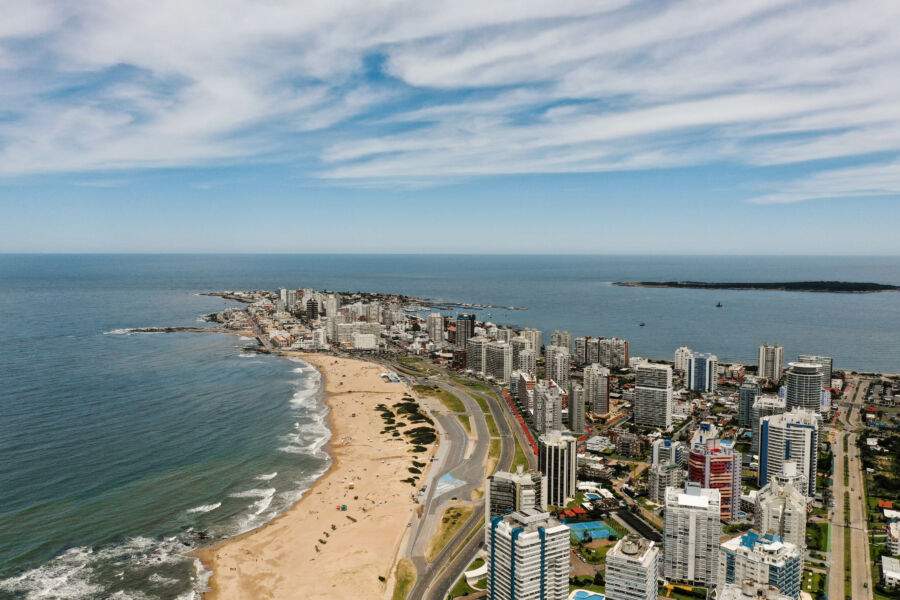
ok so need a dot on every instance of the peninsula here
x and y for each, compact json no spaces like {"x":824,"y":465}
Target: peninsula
{"x":787,"y":286}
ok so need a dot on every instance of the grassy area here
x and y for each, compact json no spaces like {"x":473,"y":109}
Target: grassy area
{"x":620,"y":529}
{"x":479,"y":530}
{"x":483,"y":404}
{"x":817,"y":536}
{"x":813,"y":582}
{"x":519,"y":458}
{"x":448,"y":399}
{"x":579,"y":498}
{"x":414,"y":365}
{"x":847,"y":567}
{"x":406,"y":577}
{"x":491,"y":425}
{"x":494,"y":448}
{"x":462,"y":588}
{"x":473,"y":385}
{"x":451,"y":522}
{"x":464,"y":420}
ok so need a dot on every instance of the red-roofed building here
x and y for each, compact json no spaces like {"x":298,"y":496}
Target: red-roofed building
{"x":885,"y":504}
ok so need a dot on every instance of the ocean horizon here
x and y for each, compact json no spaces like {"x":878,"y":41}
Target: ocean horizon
{"x":119,"y":452}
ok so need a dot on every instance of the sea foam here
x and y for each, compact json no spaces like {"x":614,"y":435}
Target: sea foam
{"x":205,"y":508}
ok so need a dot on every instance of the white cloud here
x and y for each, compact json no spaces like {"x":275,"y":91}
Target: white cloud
{"x":854,"y":182}
{"x":467,"y":89}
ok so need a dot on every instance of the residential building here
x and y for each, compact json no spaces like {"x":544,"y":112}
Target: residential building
{"x":562,"y":338}
{"x":528,"y":557}
{"x":525,"y":389}
{"x":498,"y":356}
{"x":434,"y":324}
{"x":703,"y":372}
{"x":763,"y":558}
{"x":683,"y":358}
{"x":749,"y":590}
{"x":576,"y":410}
{"x":892,"y":536}
{"x":771,"y":361}
{"x":527,"y":361}
{"x":476,"y":354}
{"x":519,"y":344}
{"x":547,"y":406}
{"x":804,"y":386}
{"x":612,"y":352}
{"x":890,"y":572}
{"x":579,"y":356}
{"x":507,"y":492}
{"x":715,"y":466}
{"x":557,"y":460}
{"x":764,"y":406}
{"x":747,"y":395}
{"x":596,"y":388}
{"x":534,"y":337}
{"x":781,"y":508}
{"x":465,"y":329}
{"x":663,"y":476}
{"x":790,"y":436}
{"x":826,"y":362}
{"x":666,"y":452}
{"x":653,"y":395}
{"x":632,"y":569}
{"x":557,"y":362}
{"x":691,"y":536}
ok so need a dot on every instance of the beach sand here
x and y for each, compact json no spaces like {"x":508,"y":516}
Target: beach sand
{"x":315,"y":550}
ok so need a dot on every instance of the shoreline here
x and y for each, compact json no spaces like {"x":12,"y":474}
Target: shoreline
{"x":309,"y":551}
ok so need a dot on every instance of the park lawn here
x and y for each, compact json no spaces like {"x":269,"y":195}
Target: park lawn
{"x":818,"y":536}
{"x":406,"y":577}
{"x":519,"y":458}
{"x":813,"y":582}
{"x":462,"y":588}
{"x":452,"y":521}
{"x":448,"y":399}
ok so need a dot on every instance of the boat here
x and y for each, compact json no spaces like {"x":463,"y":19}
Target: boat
{"x":642,"y":323}
{"x":719,"y":305}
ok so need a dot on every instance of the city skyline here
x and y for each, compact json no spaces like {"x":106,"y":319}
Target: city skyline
{"x":694,"y":128}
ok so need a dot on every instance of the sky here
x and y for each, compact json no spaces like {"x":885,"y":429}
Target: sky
{"x":621,"y":126}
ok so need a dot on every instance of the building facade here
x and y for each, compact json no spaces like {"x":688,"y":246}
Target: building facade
{"x":557,"y":461}
{"x":547,"y":406}
{"x":762,"y":558}
{"x":653,"y":395}
{"x":596,"y":388}
{"x":499,"y":364}
{"x":771,"y":361}
{"x":781,"y":508}
{"x":718,"y":467}
{"x":791,"y":436}
{"x":683,"y":358}
{"x":703,"y":372}
{"x":691,"y":536}
{"x":576,"y":410}
{"x":632,"y":569}
{"x":764,"y":406}
{"x":804,"y":386}
{"x":528,"y":557}
{"x":747,"y":395}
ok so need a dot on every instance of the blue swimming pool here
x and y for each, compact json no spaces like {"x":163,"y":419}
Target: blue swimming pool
{"x":586,"y":595}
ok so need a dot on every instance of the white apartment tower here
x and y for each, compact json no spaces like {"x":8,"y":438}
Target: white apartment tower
{"x":682,"y":358}
{"x":804,"y":386}
{"x":562,"y":338}
{"x":576,"y":410}
{"x":826,"y":362}
{"x":692,"y":531}
{"x":476,"y":354}
{"x":653,"y":395}
{"x":527,"y":362}
{"x":519,"y":344}
{"x":547,"y":406}
{"x":763,"y":406}
{"x":771,"y":360}
{"x":781,"y":508}
{"x":791,"y":436}
{"x":596,"y":388}
{"x":632,"y":569}
{"x":498,"y":356}
{"x":557,"y":461}
{"x":528,"y":557}
{"x":534,"y":337}
{"x":763,"y":558}
{"x":558,"y":365}
{"x":435,"y":327}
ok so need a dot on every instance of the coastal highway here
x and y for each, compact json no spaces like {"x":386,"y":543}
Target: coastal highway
{"x":437,"y":577}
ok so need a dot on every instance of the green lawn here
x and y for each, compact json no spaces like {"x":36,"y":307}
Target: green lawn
{"x":491,"y":425}
{"x":818,"y":536}
{"x":448,"y":399}
{"x":464,"y":420}
{"x":519,"y":458}
{"x":813,"y":582}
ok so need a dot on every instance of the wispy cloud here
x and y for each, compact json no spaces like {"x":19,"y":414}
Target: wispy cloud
{"x":396,"y":92}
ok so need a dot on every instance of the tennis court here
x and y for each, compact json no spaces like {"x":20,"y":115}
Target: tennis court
{"x":598,"y":530}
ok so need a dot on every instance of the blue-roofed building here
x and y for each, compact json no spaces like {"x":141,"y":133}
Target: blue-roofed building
{"x":762,"y":558}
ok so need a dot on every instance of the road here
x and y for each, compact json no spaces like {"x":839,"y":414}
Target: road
{"x":861,"y":575}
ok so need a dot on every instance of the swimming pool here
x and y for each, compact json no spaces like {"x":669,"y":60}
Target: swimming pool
{"x":586,"y":595}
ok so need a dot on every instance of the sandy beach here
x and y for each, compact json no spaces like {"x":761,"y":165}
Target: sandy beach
{"x":316,"y":550}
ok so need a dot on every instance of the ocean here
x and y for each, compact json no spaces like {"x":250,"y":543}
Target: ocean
{"x":119,"y":452}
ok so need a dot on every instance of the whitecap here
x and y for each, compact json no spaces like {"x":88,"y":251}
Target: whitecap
{"x":126,"y":331}
{"x":266,"y":476}
{"x":205,"y":508}
{"x":248,"y":355}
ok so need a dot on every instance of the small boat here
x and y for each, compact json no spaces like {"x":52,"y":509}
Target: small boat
{"x":642,"y":323}
{"x":719,"y":305}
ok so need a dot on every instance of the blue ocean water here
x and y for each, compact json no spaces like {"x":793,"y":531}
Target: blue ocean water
{"x":120,"y":452}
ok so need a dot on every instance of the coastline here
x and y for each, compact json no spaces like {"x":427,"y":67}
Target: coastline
{"x":312,"y":549}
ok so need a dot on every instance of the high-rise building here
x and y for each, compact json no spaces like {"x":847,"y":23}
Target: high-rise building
{"x":747,"y":395}
{"x":718,"y":467}
{"x":534,"y":337}
{"x":683,"y":358}
{"x":703,"y":372}
{"x":557,"y":460}
{"x":763,"y":558}
{"x":826,"y":362}
{"x":312,"y":309}
{"x":653,"y":395}
{"x":771,"y":361}
{"x":528,"y":557}
{"x":557,"y":362}
{"x":663,"y":476}
{"x":435,"y":327}
{"x":612,"y":352}
{"x":781,"y":508}
{"x":498,"y":356}
{"x":527,"y":361}
{"x":666,"y":452}
{"x":579,"y":356}
{"x":632,"y":569}
{"x":749,"y":590}
{"x":596,"y":388}
{"x":576,"y":410}
{"x":476,"y":354}
{"x":509,"y":492}
{"x":465,"y":329}
{"x":525,"y":390}
{"x":547,"y":406}
{"x":764,"y":406}
{"x":691,"y":536}
{"x":791,"y":436}
{"x":562,"y":338}
{"x":804,"y":386}
{"x":518,"y":344}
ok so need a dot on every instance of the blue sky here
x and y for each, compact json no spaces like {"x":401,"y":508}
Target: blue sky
{"x":763,"y":126}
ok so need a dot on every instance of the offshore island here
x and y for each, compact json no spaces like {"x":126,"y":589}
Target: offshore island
{"x":857,"y":287}
{"x":445,"y":427}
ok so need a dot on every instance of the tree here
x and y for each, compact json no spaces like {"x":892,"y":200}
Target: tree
{"x":598,"y":578}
